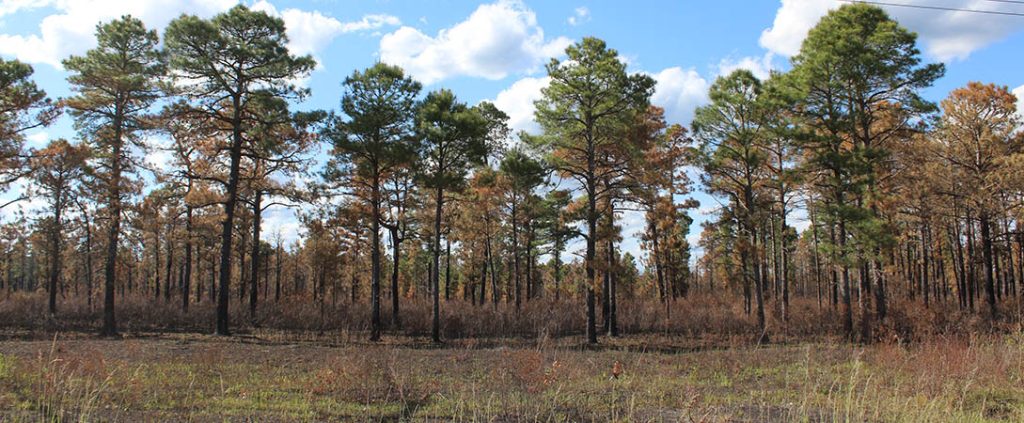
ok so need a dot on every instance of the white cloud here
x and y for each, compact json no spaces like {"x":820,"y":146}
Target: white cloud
{"x":517,"y":101}
{"x":955,"y":35}
{"x":310,"y":32}
{"x":496,"y":40}
{"x":70,"y":30}
{"x":8,"y":7}
{"x":160,"y":160}
{"x":680,"y":91}
{"x":281,"y":221}
{"x":792,"y":22}
{"x":38,"y":139}
{"x":580,"y":16}
{"x":799,"y":219}
{"x":693,"y":238}
{"x":708,"y":209}
{"x":761,"y":67}
{"x":158,"y":154}
{"x":369,"y":22}
{"x":947,"y":35}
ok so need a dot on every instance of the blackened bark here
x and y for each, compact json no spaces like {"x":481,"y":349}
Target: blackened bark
{"x":186,"y":279}
{"x":227,"y":225}
{"x":113,"y":230}
{"x":435,"y":331}
{"x":986,"y":251}
{"x":257,"y":219}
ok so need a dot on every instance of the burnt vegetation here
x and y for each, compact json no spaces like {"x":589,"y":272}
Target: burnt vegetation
{"x":847,"y":209}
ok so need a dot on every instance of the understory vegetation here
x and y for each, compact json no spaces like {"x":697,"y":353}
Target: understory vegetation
{"x":195,"y":378}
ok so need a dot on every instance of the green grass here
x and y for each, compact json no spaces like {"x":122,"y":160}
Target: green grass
{"x":205,"y":379}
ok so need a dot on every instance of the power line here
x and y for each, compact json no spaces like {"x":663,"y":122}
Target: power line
{"x":1005,"y":1}
{"x":948,"y":9}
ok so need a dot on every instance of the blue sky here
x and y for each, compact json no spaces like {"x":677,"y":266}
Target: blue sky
{"x":496,"y":51}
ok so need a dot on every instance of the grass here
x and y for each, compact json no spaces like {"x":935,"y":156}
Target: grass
{"x":301,"y":362}
{"x":201,"y":378}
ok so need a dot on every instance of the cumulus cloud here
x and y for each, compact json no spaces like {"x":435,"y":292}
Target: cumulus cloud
{"x":680,"y":91}
{"x":311,"y":31}
{"x":947,"y":35}
{"x":496,"y":40}
{"x":792,"y":22}
{"x":579,"y":16}
{"x":38,"y":139}
{"x":517,"y":101}
{"x":158,"y":155}
{"x":761,"y":67}
{"x":70,"y":28}
{"x":282,"y":222}
{"x":8,"y":7}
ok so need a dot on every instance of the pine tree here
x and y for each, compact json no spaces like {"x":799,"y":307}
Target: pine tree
{"x":23,"y":107}
{"x":856,"y":65}
{"x":455,"y":138}
{"x":979,"y":137}
{"x":115,"y":85}
{"x":520,"y":175}
{"x":56,"y":171}
{"x":374,"y":143}
{"x":231,"y":68}
{"x":581,"y":112}
{"x":731,"y":131}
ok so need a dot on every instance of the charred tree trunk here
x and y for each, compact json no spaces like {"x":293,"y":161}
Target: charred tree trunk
{"x":113,"y":230}
{"x":986,"y":251}
{"x":186,"y":279}
{"x":435,"y":277}
{"x":254,"y":277}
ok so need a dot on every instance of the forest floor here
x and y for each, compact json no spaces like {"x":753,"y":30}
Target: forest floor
{"x":264,"y":377}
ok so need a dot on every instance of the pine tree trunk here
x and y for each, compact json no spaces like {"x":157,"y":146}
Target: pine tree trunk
{"x":227,"y":225}
{"x":447,"y":268}
{"x":277,"y":274}
{"x":186,"y":279}
{"x":88,"y":264}
{"x":515,"y":252}
{"x":483,"y":277}
{"x":613,"y":328}
{"x":817,"y":260}
{"x":114,"y":229}
{"x":495,"y":295}
{"x":55,"y":253}
{"x":257,"y":219}
{"x":591,"y":257}
{"x":170,"y":263}
{"x":759,"y":290}
{"x":156,"y":264}
{"x":847,"y":305}
{"x":435,"y":276}
{"x":986,"y":251}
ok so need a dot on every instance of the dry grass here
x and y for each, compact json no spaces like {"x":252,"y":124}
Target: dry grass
{"x":200,"y":378}
{"x":696,"y":361}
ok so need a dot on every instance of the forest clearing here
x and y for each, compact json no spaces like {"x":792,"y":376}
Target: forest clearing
{"x":704,"y":366}
{"x":265,"y":378}
{"x":211,"y":212}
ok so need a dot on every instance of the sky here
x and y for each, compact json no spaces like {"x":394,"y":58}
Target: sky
{"x":496,"y":51}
